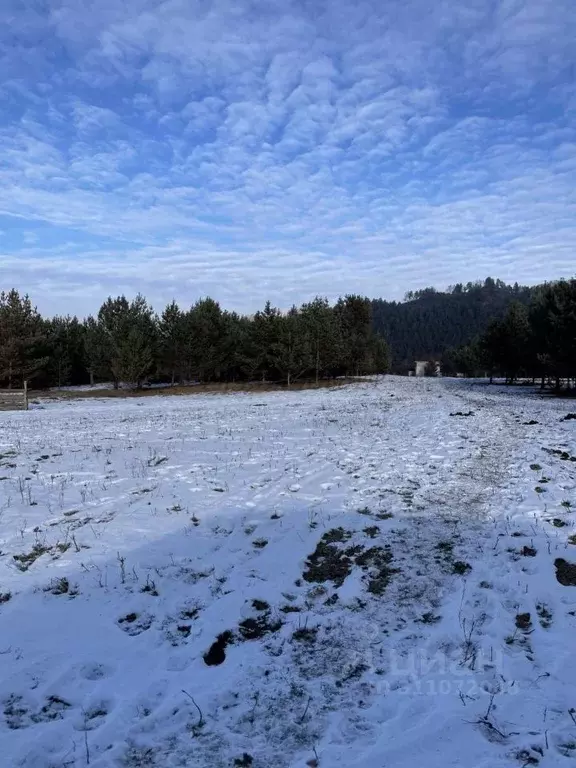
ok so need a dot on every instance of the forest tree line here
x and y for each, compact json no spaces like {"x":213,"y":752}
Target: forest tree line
{"x":126,"y":342}
{"x":537,"y":340}
{"x":474,"y":329}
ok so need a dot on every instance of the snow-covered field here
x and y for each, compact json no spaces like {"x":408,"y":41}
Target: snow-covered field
{"x":356,"y":577}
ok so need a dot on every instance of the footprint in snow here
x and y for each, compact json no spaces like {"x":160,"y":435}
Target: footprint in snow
{"x":95,"y":671}
{"x":135,"y":623}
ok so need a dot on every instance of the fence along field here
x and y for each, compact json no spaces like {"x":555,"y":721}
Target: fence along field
{"x":14,"y":399}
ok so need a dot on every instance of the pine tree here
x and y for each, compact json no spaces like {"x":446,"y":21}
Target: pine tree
{"x":378,"y":355}
{"x":491,"y":346}
{"x":238,"y":351}
{"x":59,"y":345}
{"x":266,"y":340}
{"x":320,"y":325}
{"x":95,"y":349}
{"x":354,"y":316}
{"x":127,"y":339}
{"x":516,"y":335}
{"x":134,"y":356}
{"x":207,"y":325}
{"x":468,"y":360}
{"x":505,"y":347}
{"x":553,"y":324}
{"x":172,"y":341}
{"x":293,"y":355}
{"x":21,"y":340}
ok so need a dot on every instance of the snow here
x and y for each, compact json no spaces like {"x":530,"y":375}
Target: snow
{"x":84,"y":387}
{"x":135,"y":532}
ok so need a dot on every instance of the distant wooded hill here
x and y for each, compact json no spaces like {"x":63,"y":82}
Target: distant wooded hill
{"x":428,"y":322}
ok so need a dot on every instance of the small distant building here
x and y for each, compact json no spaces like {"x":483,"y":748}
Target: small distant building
{"x":421,"y":367}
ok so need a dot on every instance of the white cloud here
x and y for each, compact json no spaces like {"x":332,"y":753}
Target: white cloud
{"x":252,"y":151}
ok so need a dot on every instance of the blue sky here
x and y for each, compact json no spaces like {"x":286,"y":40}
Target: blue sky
{"x":254,"y":150}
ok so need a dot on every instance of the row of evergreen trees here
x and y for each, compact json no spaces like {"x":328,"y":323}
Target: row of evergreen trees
{"x":535,"y":341}
{"x":126,"y":342}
